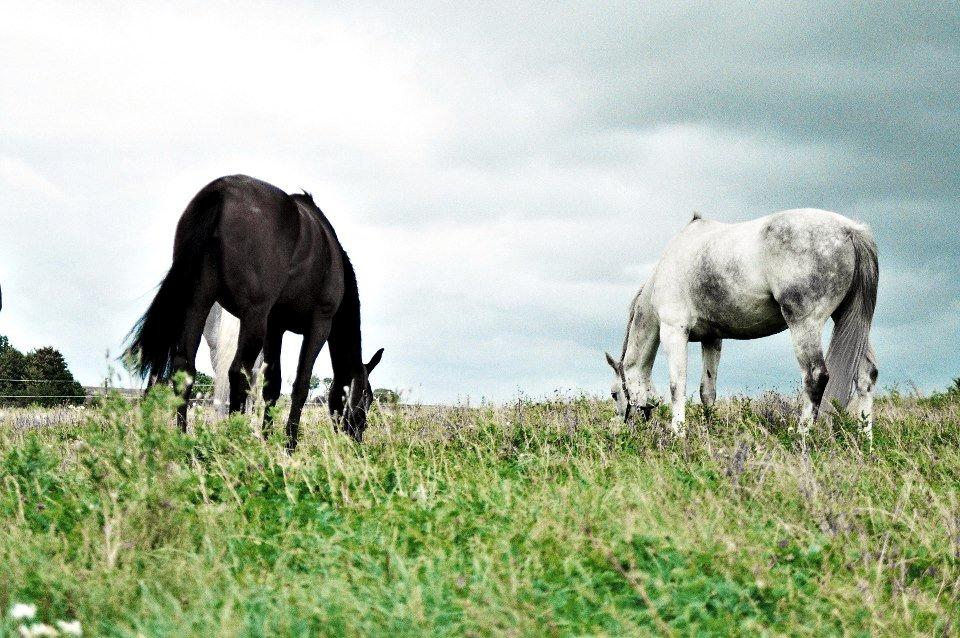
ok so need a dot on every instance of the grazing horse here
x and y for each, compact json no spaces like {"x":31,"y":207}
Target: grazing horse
{"x":274,"y":261}
{"x":716,"y":281}
{"x":221,"y":332}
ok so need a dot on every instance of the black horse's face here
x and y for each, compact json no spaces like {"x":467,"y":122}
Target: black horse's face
{"x":358,"y":404}
{"x":354,"y":401}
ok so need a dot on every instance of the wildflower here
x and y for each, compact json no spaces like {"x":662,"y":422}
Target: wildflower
{"x":420,"y":494}
{"x":70,"y":628}
{"x":38,"y":630}
{"x":23,"y":611}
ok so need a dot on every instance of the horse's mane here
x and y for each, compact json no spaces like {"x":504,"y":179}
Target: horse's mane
{"x":633,"y":314}
{"x":307,"y":199}
{"x":346,"y":323}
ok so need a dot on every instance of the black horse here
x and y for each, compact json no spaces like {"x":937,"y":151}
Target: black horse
{"x":274,"y":261}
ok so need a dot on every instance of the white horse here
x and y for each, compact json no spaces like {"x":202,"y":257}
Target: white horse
{"x":716,"y":281}
{"x":222,"y":332}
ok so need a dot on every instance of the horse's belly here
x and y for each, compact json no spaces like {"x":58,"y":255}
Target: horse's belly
{"x":746,"y":319}
{"x":728,"y":294}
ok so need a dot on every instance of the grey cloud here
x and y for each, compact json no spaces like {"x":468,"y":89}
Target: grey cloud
{"x":502,"y":174}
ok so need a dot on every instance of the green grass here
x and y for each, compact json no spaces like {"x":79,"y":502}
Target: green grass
{"x":536,"y":519}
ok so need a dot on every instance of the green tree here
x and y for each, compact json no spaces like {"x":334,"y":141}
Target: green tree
{"x":51,"y":382}
{"x":385,"y":396}
{"x":320,"y":388}
{"x":202,"y":385}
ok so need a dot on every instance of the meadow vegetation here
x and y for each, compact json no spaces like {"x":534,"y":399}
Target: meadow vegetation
{"x":539,"y":518}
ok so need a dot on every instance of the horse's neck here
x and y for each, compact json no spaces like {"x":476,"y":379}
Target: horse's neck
{"x":345,"y":361}
{"x":643,"y":330}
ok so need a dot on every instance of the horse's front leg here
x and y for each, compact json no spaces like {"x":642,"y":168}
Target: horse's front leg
{"x":313,"y":342}
{"x":674,"y":340}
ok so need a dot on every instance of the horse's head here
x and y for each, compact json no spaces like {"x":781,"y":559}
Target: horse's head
{"x":630,"y":393}
{"x":353,"y":401}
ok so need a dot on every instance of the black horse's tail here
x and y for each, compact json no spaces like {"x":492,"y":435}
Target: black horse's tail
{"x":154,"y":338}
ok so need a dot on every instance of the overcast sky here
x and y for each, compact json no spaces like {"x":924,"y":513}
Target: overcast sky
{"x":502,"y":175}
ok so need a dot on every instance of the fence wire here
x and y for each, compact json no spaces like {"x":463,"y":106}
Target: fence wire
{"x":92,"y":391}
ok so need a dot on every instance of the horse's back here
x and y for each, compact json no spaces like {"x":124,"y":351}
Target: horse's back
{"x":806,"y":230}
{"x":255,"y":208}
{"x":805,"y":238}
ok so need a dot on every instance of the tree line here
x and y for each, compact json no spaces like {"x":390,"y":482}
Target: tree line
{"x":39,"y":377}
{"x":320,"y":388}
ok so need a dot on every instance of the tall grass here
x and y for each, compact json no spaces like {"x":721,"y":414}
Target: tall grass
{"x":535,"y":519}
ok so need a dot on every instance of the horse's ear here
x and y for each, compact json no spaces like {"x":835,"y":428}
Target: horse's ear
{"x":612,"y":362}
{"x":374,"y":360}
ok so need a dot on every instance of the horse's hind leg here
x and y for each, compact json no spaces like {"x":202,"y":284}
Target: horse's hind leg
{"x":708,"y":383}
{"x":861,"y":405}
{"x":806,"y":335}
{"x":185,"y":359}
{"x":185,"y":356}
{"x":253,"y":327}
{"x":271,"y":373}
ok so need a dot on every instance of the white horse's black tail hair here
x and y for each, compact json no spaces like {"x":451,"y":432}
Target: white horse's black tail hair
{"x":154,"y":338}
{"x":851,"y":322}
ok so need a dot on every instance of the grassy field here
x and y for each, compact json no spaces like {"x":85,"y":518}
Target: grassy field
{"x":534,"y":519}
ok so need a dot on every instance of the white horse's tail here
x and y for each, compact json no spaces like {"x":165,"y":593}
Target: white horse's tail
{"x":228,"y":333}
{"x":850,"y":342}
{"x":221,"y":331}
